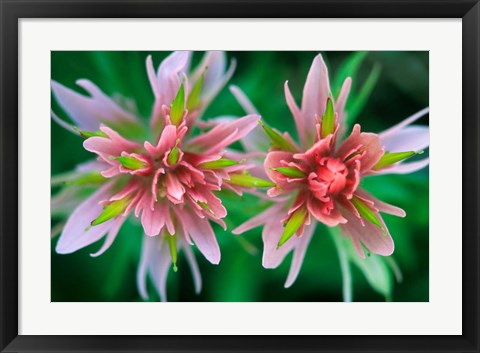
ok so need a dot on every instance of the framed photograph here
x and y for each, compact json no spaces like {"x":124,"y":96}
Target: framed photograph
{"x":236,"y":176}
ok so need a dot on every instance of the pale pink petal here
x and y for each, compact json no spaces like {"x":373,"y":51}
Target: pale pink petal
{"x":159,"y":267}
{"x":111,"y":236}
{"x":315,"y":95}
{"x":342,"y":99}
{"x":405,"y":168}
{"x":154,"y":220}
{"x":223,"y":134}
{"x":215,"y":76}
{"x":169,"y":75}
{"x":297,"y":115}
{"x":376,"y":240}
{"x":259,"y":219}
{"x":202,"y":234}
{"x":243,"y":100}
{"x":380,"y":205}
{"x":396,"y":128}
{"x":152,"y":76}
{"x":89,"y":111}
{"x":62,"y":123}
{"x":192,"y":262}
{"x":155,"y":261}
{"x":143,"y":265}
{"x":271,"y":234}
{"x":77,"y":232}
{"x":78,"y":107}
{"x":107,"y":108}
{"x":254,"y":142}
{"x":411,"y":138}
{"x":299,"y":254}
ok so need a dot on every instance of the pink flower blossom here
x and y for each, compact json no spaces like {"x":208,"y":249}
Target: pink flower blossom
{"x":318,"y":180}
{"x":169,"y":181}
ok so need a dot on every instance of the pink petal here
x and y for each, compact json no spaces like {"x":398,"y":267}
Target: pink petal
{"x":154,"y":220}
{"x":342,"y":99}
{"x":299,"y":254}
{"x":333,"y":219}
{"x":369,"y":235}
{"x":315,"y":95}
{"x":277,"y":159}
{"x":272,"y":231}
{"x":62,"y":123}
{"x":175,"y":189}
{"x":166,"y":142}
{"x":78,"y":107}
{"x":114,"y":145}
{"x":411,"y":138}
{"x":202,"y":234}
{"x":243,"y":100}
{"x":223,"y":134}
{"x":111,"y":236}
{"x":380,"y":205}
{"x":215,"y":76}
{"x":168,"y":78}
{"x":89,"y":111}
{"x":192,"y":262}
{"x":152,"y":76}
{"x":370,"y":142}
{"x":75,"y":234}
{"x":297,"y":115}
{"x":155,"y":261}
{"x":143,"y":268}
{"x":259,"y":219}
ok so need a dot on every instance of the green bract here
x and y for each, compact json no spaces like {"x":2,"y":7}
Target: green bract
{"x":178,"y":106}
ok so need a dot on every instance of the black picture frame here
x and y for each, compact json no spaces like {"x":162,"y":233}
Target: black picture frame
{"x":11,"y":11}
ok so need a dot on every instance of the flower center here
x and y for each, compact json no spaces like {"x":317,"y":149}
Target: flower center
{"x":332,"y":173}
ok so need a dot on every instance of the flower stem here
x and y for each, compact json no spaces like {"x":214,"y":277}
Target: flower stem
{"x":347,"y":287}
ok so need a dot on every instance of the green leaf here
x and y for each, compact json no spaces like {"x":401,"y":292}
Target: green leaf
{"x":348,"y":68}
{"x":290,"y":172}
{"x":218,"y":164}
{"x":249,"y":181}
{"x":293,"y":224}
{"x":178,"y":106}
{"x":130,"y":162}
{"x":361,"y":99}
{"x":194,"y":99}
{"x":328,"y":119}
{"x":278,"y":140}
{"x":391,"y":158}
{"x":112,"y":210}
{"x":366,"y":212}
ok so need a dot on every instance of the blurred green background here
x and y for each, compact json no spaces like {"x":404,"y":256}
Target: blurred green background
{"x":387,"y":87}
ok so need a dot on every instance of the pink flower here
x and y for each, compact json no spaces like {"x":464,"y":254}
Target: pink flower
{"x":318,"y":179}
{"x":169,"y":182}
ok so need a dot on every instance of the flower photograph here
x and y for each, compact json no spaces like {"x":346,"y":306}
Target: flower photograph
{"x":249,"y":176}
